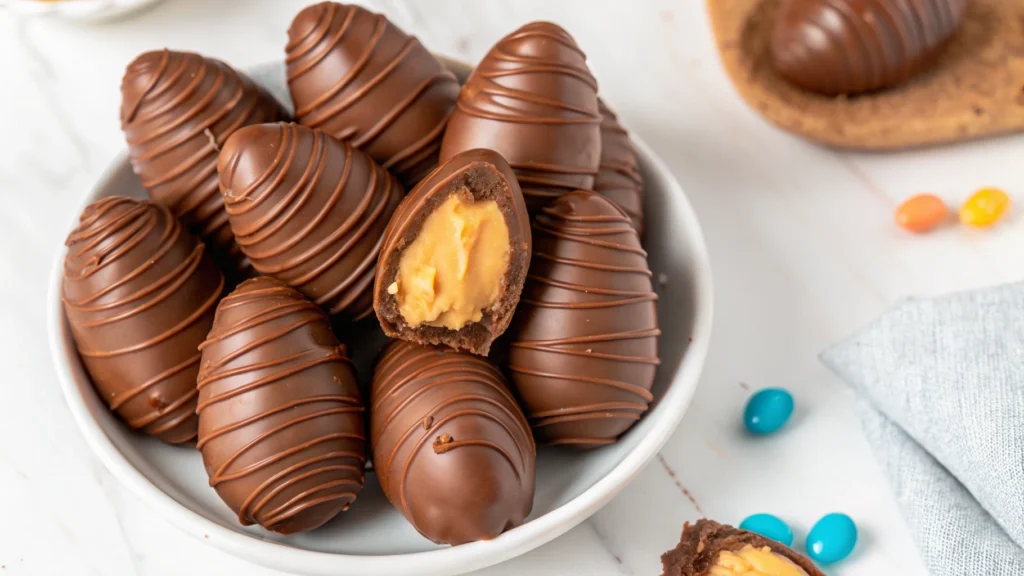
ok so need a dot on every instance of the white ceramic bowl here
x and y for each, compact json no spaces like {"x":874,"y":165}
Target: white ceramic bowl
{"x":373,"y":538}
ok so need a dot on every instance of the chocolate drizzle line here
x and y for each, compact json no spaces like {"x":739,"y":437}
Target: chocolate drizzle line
{"x":176,"y":109}
{"x":432,"y":403}
{"x":840,"y":47}
{"x":139,"y":293}
{"x":504,"y":60}
{"x":533,"y":79}
{"x":619,"y":177}
{"x":308,"y":210}
{"x":600,"y":303}
{"x":381,"y":67}
{"x":295,"y":457}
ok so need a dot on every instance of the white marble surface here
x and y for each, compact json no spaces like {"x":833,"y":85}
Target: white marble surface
{"x":801,"y":242}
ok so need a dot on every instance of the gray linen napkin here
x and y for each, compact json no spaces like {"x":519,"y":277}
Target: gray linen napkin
{"x":941,"y":387}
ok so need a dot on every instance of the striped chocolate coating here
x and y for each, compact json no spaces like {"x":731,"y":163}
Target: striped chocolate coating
{"x":618,"y":178}
{"x":584,"y":347}
{"x":281,"y":424}
{"x":177,"y":109}
{"x":139,"y":294}
{"x":451,"y":447}
{"x":851,"y":46}
{"x":534,"y":101}
{"x":358,"y":77}
{"x":308,"y":210}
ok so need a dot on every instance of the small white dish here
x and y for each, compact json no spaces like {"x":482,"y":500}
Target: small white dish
{"x":373,"y":538}
{"x":78,"y":10}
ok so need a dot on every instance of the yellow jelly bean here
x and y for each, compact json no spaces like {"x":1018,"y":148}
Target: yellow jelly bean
{"x":921,"y":213}
{"x":985,"y":207}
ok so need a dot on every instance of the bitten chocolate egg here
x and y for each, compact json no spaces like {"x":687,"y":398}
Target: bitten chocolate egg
{"x":139,"y":294}
{"x":708,"y":548}
{"x":619,"y":177}
{"x":308,"y":210}
{"x":584,"y":342}
{"x":455,"y":255}
{"x":281,"y":424}
{"x":533,"y":100}
{"x":177,"y":108}
{"x":451,"y":448}
{"x":358,"y":77}
{"x":851,"y":46}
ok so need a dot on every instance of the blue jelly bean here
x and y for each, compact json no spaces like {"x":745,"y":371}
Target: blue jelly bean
{"x":768,"y":410}
{"x":832,"y":538}
{"x":770,"y":527}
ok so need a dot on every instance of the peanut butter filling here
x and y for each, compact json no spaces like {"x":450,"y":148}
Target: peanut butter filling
{"x":452,"y":271}
{"x":750,"y":561}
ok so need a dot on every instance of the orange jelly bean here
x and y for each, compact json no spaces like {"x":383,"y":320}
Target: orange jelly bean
{"x":921,"y":213}
{"x":985,"y":207}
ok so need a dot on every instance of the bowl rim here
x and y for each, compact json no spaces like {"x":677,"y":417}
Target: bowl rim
{"x":451,"y":560}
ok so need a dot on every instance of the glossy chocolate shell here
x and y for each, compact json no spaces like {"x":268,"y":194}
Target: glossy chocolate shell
{"x":451,"y":448}
{"x":308,"y":210}
{"x":584,"y":342}
{"x":534,"y":101}
{"x":140,"y":293}
{"x":281,"y":423}
{"x":358,"y":77}
{"x":850,"y":46}
{"x":177,"y":109}
{"x":619,"y":178}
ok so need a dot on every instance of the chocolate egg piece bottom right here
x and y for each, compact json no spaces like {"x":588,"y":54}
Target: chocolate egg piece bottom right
{"x":584,"y":342}
{"x":708,"y":548}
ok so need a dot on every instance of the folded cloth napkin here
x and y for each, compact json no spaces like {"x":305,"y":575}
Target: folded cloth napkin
{"x":941,"y":395}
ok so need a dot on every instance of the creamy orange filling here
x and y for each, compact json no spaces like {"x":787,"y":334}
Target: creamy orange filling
{"x":750,"y":561}
{"x":451,"y":272}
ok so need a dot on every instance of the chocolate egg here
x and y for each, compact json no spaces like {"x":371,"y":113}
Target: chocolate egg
{"x":358,"y":77}
{"x":455,"y":255}
{"x":708,"y":548}
{"x":619,"y":177}
{"x":451,"y":448}
{"x":584,"y":342}
{"x":851,"y":46}
{"x":281,"y":424}
{"x":308,"y":210}
{"x":139,"y":294}
{"x":177,"y":108}
{"x":533,"y":100}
